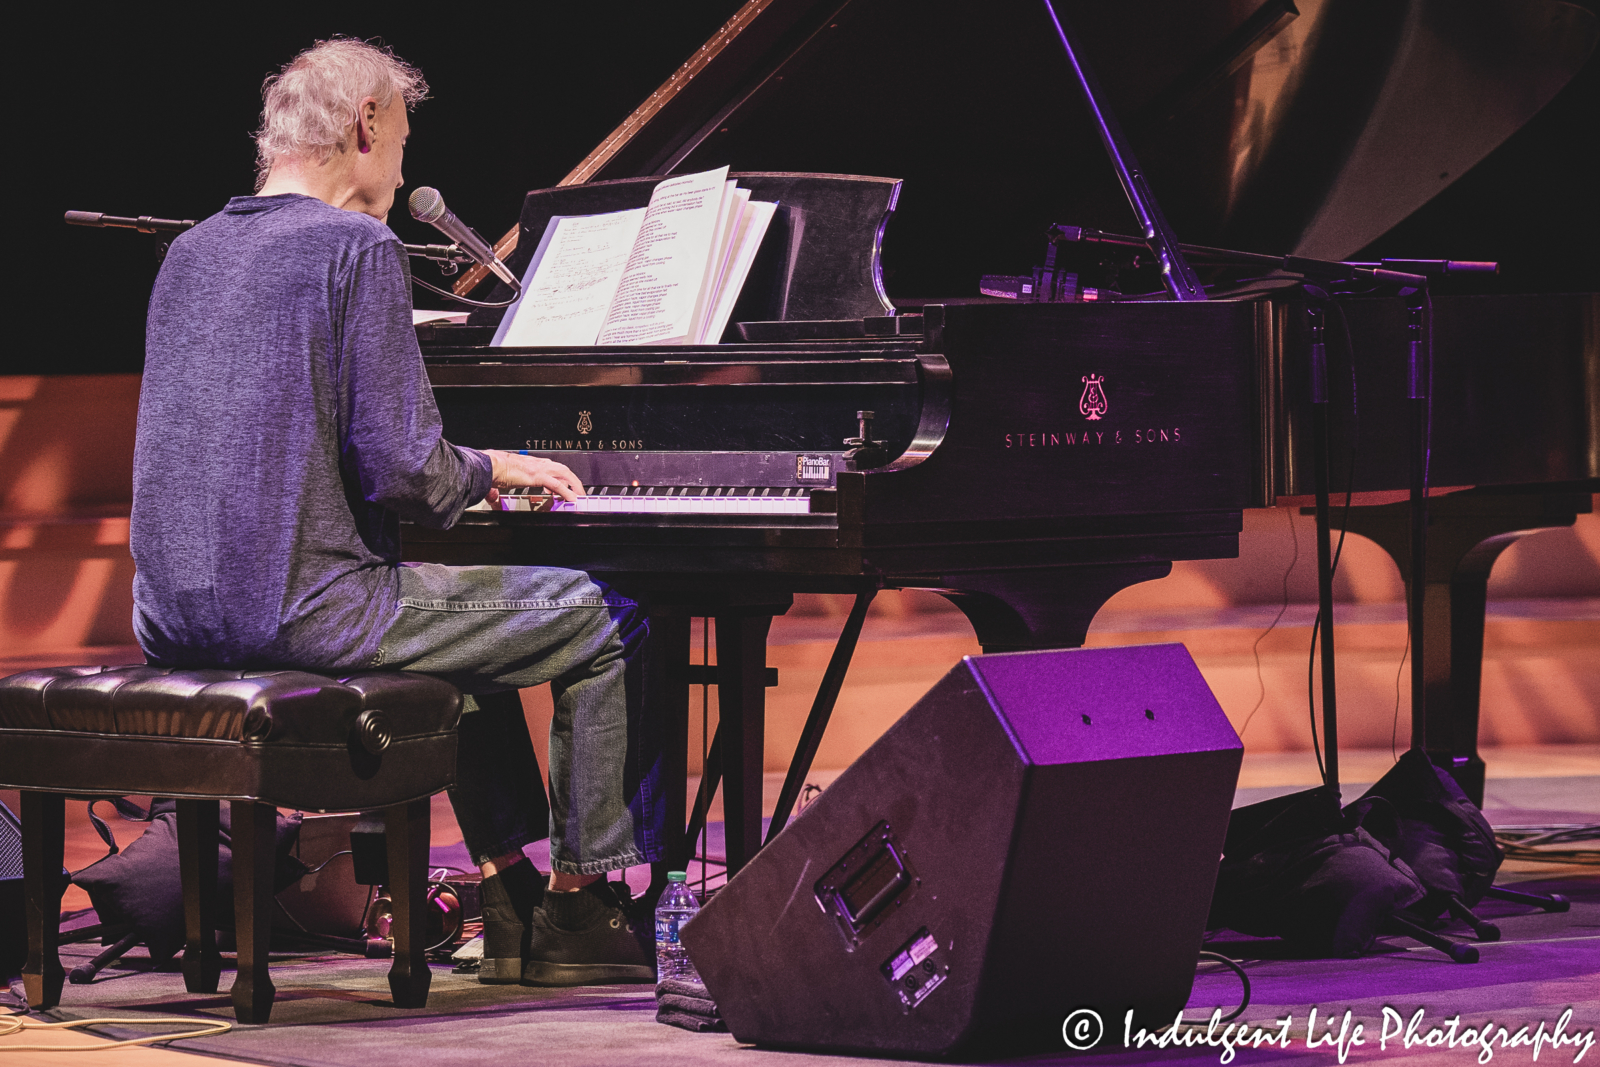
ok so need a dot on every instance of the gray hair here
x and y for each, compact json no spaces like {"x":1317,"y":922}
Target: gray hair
{"x":309,"y":106}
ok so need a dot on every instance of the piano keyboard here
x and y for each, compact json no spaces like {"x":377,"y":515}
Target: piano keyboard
{"x":662,"y":499}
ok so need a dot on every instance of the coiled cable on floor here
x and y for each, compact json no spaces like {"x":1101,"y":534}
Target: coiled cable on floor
{"x":1244,"y":980}
{"x":1538,"y":843}
{"x":12,"y":1024}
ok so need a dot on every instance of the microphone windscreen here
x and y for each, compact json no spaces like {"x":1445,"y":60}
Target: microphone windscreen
{"x":426,"y":204}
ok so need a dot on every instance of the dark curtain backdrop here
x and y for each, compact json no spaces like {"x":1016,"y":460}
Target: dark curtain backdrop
{"x":143,"y":112}
{"x":146,"y":112}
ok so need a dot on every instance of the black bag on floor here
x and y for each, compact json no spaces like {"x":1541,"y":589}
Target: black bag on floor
{"x":138,"y":889}
{"x":1299,"y":868}
{"x":1439,"y":833}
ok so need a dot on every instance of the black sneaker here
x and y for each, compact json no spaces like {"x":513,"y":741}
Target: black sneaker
{"x":511,"y":898}
{"x":588,"y":938}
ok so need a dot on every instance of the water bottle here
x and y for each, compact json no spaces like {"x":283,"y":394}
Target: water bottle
{"x":678,"y":905}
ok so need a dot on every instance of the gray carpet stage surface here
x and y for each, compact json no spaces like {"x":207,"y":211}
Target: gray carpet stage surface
{"x":334,"y":1011}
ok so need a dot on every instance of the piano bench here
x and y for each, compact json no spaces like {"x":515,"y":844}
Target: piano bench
{"x":259,"y":739}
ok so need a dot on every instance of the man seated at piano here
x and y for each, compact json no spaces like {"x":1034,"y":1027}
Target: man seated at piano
{"x":286,"y":426}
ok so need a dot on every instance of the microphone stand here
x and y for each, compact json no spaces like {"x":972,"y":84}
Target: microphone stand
{"x":1319,"y":467}
{"x":1419,"y":390}
{"x":449,"y":257}
{"x":167,"y":228}
{"x":1414,"y":286}
{"x":1176,"y":274}
{"x":1325,"y":270}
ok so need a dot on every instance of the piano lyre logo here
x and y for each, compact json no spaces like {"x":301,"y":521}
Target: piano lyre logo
{"x":1093,"y":402}
{"x":585,"y":424}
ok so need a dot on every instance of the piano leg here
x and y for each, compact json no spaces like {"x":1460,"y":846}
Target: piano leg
{"x":741,"y":726}
{"x":667,"y":697}
{"x":741,"y":678}
{"x":1051,"y":607}
{"x":1468,"y":531}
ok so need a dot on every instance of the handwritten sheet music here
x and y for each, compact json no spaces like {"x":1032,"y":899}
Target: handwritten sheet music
{"x":570,"y":284}
{"x":668,"y":273}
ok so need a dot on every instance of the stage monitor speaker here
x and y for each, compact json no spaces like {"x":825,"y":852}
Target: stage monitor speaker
{"x":1040,"y":833}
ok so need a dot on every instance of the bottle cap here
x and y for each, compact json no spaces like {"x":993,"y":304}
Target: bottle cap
{"x":677,"y":876}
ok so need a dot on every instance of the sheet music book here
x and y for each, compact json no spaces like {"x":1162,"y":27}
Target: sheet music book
{"x":669,"y":273}
{"x":421,"y":316}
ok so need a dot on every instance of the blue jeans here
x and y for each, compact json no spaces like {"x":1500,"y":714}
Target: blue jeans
{"x":494,"y":630}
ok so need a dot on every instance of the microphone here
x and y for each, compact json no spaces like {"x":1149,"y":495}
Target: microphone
{"x":428,"y":206}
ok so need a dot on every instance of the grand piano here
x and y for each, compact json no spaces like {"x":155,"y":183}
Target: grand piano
{"x":1025,"y":459}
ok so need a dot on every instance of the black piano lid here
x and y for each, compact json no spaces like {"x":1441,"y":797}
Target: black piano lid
{"x":1345,"y":121}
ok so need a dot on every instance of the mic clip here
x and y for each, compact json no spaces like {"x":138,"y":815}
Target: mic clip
{"x":449,"y":257}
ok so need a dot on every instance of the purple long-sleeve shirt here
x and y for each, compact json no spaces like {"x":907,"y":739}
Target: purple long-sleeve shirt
{"x":285,"y":427}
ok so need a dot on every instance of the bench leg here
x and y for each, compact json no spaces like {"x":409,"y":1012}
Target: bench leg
{"x":406,"y":835}
{"x":44,"y":821}
{"x":197,"y":861}
{"x":255,"y":833}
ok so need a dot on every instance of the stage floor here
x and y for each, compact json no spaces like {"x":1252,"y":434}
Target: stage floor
{"x":334,"y":1011}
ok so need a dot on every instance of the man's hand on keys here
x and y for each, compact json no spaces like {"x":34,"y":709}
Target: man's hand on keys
{"x":515,"y":471}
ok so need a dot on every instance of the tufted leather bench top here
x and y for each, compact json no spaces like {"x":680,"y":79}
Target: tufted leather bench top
{"x":289,"y":737}
{"x":220,"y":704}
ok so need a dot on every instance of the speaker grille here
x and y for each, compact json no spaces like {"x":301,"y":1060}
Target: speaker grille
{"x":10,"y":844}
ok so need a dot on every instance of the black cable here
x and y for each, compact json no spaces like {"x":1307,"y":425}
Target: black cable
{"x":461,"y":912}
{"x":1244,"y":980}
{"x":1399,"y":672}
{"x":1344,"y":524}
{"x":1551,"y":835}
{"x":1427,"y":435}
{"x":1535,"y":843}
{"x":1427,"y":469}
{"x":366,"y":912}
{"x":283,"y":909}
{"x":1355,"y":425}
{"x":330,"y":859}
{"x":447,"y":294}
{"x":1311,"y":697}
{"x":1255,"y":649}
{"x":1333,"y":568}
{"x":1317,"y":298}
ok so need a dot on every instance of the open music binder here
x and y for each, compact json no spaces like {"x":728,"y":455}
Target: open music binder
{"x":666,"y":273}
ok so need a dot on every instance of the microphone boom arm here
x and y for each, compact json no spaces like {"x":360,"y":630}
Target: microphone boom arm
{"x":450,"y":257}
{"x":1176,"y":274}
